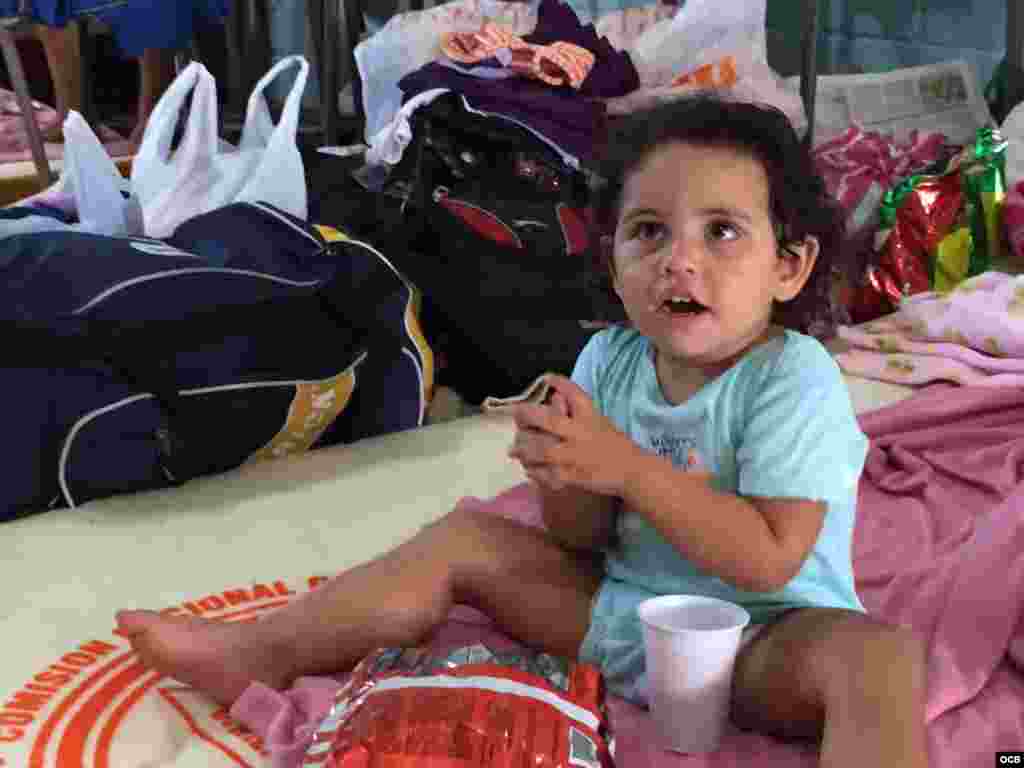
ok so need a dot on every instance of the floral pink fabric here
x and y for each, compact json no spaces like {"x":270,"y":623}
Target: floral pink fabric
{"x":972,"y":335}
{"x":859,"y":166}
{"x":14,"y":146}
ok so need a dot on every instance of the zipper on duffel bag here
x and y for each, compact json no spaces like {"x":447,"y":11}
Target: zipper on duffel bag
{"x":171,"y":448}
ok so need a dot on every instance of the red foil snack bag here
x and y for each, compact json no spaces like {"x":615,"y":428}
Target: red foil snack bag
{"x":468,"y":708}
{"x":915,"y":216}
{"x":936,"y":230}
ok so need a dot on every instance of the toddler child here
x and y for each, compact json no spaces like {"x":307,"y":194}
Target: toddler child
{"x":709,"y":448}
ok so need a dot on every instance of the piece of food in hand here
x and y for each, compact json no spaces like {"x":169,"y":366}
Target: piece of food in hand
{"x":538,"y":393}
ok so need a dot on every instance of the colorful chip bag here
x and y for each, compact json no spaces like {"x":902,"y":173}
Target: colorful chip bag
{"x":984,"y":175}
{"x":468,"y":707}
{"x":936,"y":230}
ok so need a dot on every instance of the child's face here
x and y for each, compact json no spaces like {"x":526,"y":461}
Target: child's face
{"x":695,"y":224}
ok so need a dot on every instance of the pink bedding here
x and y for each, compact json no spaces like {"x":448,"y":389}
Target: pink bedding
{"x":937,"y":548}
{"x":14,"y":144}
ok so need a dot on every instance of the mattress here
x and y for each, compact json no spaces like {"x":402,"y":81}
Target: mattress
{"x":72,"y":695}
{"x":19,"y":179}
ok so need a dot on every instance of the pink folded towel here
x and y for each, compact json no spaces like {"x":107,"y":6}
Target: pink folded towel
{"x":972,"y":335}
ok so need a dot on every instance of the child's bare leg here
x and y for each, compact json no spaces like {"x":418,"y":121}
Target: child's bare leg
{"x":534,"y":589}
{"x":854,"y":683}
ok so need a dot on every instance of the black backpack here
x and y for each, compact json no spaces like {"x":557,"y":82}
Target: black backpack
{"x":494,"y":231}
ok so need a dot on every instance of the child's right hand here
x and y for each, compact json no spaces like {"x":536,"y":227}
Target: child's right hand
{"x":531,"y":439}
{"x":567,"y":442}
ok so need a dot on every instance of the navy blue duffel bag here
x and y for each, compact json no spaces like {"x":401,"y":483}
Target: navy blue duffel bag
{"x":132,"y":364}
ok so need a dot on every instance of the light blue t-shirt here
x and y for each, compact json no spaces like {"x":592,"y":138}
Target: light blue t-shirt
{"x":778,"y":423}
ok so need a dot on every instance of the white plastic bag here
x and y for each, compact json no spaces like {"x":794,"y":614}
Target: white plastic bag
{"x":204,"y":173}
{"x":96,"y":189}
{"x":623,"y":27}
{"x":91,"y":178}
{"x":703,"y":32}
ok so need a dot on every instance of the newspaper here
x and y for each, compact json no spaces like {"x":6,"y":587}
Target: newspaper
{"x":944,"y":98}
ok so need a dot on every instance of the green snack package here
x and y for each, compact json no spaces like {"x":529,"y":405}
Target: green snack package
{"x":983,"y":171}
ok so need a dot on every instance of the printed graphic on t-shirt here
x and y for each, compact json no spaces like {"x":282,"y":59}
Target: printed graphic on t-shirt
{"x":682,"y":450}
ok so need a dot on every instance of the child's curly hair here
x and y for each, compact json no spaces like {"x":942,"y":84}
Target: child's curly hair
{"x":799,"y":202}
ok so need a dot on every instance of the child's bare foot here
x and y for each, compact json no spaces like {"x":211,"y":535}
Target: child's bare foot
{"x":219,"y":659}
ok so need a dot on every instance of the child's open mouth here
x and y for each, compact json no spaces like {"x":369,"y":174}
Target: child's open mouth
{"x":678,"y":305}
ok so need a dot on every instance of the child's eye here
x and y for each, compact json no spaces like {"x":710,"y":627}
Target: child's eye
{"x":722,"y":230}
{"x":647,"y":230}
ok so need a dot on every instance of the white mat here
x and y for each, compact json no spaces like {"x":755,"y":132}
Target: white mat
{"x":71,"y":694}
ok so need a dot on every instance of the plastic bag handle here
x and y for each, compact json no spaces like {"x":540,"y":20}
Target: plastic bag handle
{"x":91,"y":176}
{"x":259,"y":129}
{"x":201,"y":132}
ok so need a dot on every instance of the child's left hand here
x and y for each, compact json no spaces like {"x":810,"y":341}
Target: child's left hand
{"x":569,"y":443}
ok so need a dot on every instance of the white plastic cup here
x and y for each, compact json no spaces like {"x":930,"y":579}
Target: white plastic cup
{"x":690,"y":644}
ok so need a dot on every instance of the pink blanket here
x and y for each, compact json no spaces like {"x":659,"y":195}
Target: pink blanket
{"x":937,"y":547}
{"x":972,"y":335}
{"x":14,"y":144}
